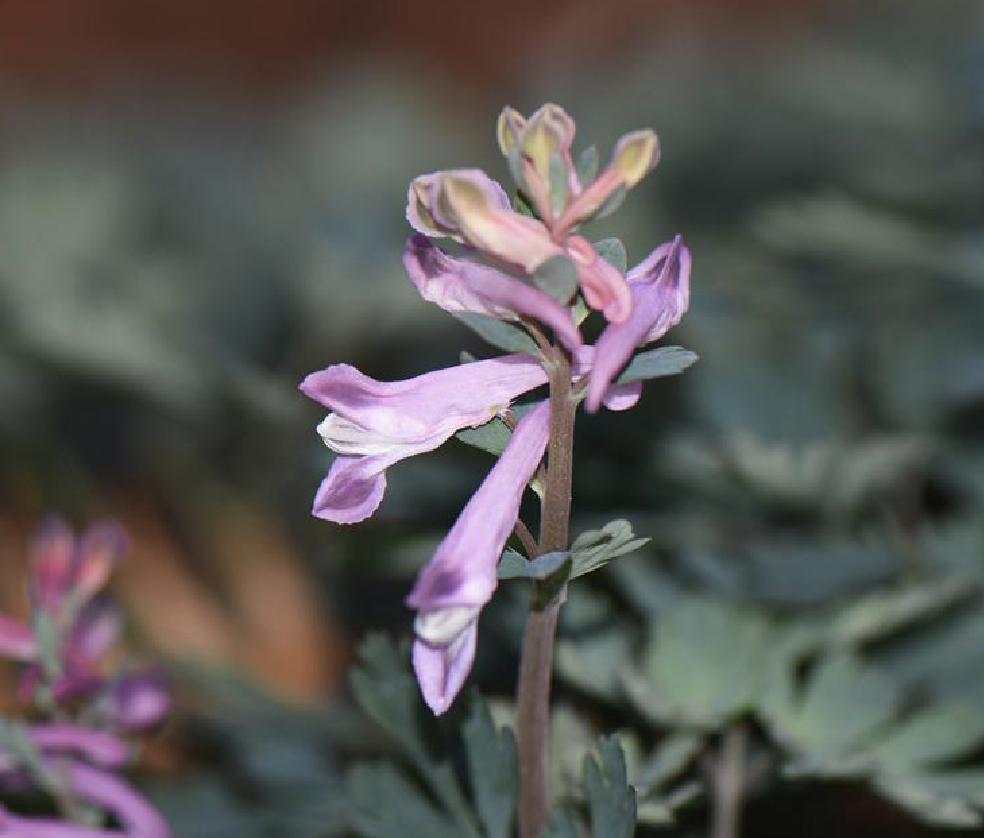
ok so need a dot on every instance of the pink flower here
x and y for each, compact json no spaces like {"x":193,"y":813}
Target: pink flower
{"x":454,"y":585}
{"x":467,"y":206}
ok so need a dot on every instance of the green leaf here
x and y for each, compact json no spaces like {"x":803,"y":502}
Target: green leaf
{"x":596,"y":548}
{"x":656,"y":363}
{"x":705,"y":663}
{"x":492,"y":436}
{"x":947,"y":730}
{"x":561,"y":826}
{"x":556,"y":277}
{"x":502,"y":335}
{"x":559,"y":185}
{"x":673,"y":754}
{"x":513,"y":566}
{"x":942,"y":808}
{"x":594,"y":663}
{"x":386,"y":690}
{"x":611,"y":800}
{"x":493,"y":768}
{"x":613,"y":252}
{"x":387,"y":693}
{"x":587,"y":165}
{"x":882,"y":613}
{"x":845,"y":702}
{"x":382,"y":802}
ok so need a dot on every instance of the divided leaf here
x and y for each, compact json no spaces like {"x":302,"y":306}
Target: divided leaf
{"x":705,"y":663}
{"x":383,"y":802}
{"x":611,"y":800}
{"x":596,"y":548}
{"x":493,"y":768}
{"x":513,"y":566}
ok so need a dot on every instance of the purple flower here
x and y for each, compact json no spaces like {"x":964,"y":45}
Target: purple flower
{"x":660,"y":296}
{"x":66,"y":578}
{"x":469,"y":207}
{"x":374,"y":424}
{"x":455,"y":584}
{"x":459,"y":285}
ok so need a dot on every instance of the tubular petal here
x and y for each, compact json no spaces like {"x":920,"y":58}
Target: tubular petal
{"x":462,"y":573}
{"x":460,"y":285}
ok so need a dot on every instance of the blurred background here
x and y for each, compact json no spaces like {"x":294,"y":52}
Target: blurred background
{"x":201,"y":203}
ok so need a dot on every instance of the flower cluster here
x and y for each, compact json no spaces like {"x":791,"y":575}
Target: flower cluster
{"x":373,"y":425}
{"x":73,"y":752}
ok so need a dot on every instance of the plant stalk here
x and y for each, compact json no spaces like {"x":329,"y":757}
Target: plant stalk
{"x":729,"y":783}
{"x":533,"y":700}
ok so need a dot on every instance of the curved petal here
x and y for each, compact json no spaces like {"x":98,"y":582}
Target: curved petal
{"x":441,"y":670}
{"x":138,"y":700}
{"x":461,"y":577}
{"x":671,"y":289}
{"x":622,"y":396}
{"x":13,"y":826}
{"x":660,"y":295}
{"x":436,"y":403}
{"x":137,"y":817}
{"x":100,"y":548}
{"x":95,"y":745}
{"x":462,"y":571}
{"x":602,"y":284}
{"x":494,"y":229}
{"x":424,"y":208}
{"x":460,"y":285}
{"x":52,"y":562}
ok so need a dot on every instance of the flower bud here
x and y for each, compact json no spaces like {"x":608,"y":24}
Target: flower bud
{"x":635,"y":155}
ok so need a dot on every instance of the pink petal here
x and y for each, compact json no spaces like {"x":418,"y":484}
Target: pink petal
{"x":52,"y":561}
{"x":101,"y":548}
{"x":603,"y":286}
{"x":463,"y":569}
{"x":441,"y":670}
{"x":460,"y":285}
{"x":424,"y":206}
{"x":94,"y":745}
{"x":137,"y":817}
{"x":16,"y":640}
{"x":138,"y":700}
{"x":435,"y":404}
{"x":352,"y":491}
{"x":462,"y":573}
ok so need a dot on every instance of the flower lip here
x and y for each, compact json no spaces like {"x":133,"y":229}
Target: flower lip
{"x":440,"y":626}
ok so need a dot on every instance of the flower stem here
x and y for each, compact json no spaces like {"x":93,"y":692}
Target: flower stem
{"x":728,"y":782}
{"x":533,"y":701}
